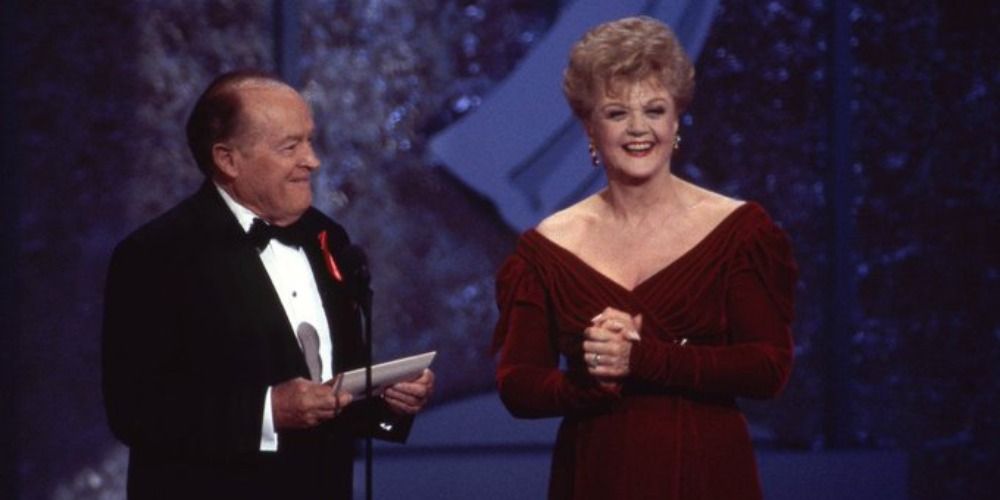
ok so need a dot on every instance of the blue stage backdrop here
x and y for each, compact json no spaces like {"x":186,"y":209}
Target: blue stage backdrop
{"x":867,"y":128}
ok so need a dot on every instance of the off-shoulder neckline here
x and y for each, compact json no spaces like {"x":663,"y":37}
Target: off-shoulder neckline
{"x":533,"y":233}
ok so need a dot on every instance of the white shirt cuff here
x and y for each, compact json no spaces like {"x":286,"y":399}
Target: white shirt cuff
{"x":268,"y":438}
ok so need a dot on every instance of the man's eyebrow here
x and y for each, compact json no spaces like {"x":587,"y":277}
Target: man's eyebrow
{"x":293,"y":137}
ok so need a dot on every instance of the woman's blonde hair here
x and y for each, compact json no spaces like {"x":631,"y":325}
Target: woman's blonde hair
{"x":631,"y":49}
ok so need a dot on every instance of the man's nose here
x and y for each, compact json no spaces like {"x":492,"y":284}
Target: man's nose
{"x":310,"y":160}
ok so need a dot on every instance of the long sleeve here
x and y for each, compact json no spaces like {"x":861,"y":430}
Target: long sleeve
{"x":153,"y":394}
{"x":529,"y":379}
{"x":756,"y":359}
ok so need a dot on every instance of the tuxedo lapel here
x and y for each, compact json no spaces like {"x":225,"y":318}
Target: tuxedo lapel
{"x":248,"y":290}
{"x":341,"y":312}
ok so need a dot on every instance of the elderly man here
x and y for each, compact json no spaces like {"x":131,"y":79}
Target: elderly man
{"x":224,"y":316}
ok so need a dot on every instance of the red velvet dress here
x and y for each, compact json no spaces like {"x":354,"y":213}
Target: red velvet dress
{"x":715,"y":327}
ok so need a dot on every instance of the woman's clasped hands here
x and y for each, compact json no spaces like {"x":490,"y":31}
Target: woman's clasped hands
{"x":607,"y":345}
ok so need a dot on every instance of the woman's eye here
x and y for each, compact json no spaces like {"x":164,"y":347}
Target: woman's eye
{"x":616,"y":115}
{"x":656,"y":111}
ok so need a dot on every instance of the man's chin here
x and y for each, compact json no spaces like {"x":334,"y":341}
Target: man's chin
{"x":291,"y":212}
{"x":300,"y":196}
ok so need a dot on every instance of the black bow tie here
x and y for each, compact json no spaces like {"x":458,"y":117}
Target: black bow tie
{"x":261,"y":233}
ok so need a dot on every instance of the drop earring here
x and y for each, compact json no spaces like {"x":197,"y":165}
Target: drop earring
{"x":594,"y":159}
{"x":677,"y":142}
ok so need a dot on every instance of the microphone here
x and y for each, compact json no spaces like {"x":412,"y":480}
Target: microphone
{"x":357,"y":277}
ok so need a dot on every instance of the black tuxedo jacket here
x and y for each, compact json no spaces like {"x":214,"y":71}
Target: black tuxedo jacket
{"x":194,"y":334}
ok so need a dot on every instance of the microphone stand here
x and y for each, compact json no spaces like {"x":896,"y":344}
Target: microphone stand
{"x":359,"y":288}
{"x":366,"y":313}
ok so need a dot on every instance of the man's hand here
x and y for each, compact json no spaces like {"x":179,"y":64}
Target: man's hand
{"x":410,"y":397}
{"x":300,"y":403}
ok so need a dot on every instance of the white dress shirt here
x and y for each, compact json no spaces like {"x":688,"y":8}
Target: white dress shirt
{"x":293,"y":280}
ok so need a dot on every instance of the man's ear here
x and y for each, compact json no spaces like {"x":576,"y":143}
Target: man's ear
{"x":224,"y":157}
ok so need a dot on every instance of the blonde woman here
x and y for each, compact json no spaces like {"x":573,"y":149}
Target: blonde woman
{"x":641,"y":313}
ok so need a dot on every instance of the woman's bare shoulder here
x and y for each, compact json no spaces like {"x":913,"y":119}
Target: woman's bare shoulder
{"x":711,"y":203}
{"x":566,"y":226}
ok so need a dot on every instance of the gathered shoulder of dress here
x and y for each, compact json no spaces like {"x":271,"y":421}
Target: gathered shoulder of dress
{"x":716,"y":326}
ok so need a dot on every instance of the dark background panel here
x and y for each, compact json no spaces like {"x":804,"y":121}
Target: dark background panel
{"x":866,"y":128}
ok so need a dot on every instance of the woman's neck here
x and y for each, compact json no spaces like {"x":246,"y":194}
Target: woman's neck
{"x":663,"y":196}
